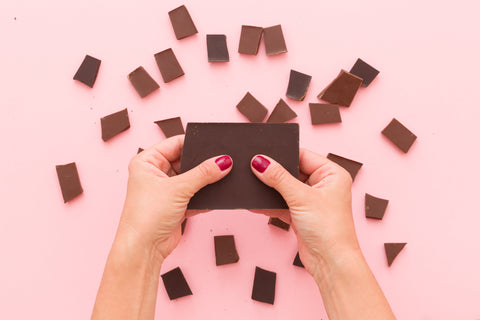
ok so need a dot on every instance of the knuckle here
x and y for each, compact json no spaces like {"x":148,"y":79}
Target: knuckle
{"x":205,"y":170}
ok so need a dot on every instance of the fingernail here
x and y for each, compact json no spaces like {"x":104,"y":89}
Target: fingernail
{"x":224,"y":162}
{"x":260,"y":163}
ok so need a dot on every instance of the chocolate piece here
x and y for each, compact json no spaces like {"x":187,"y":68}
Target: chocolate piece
{"x":217,"y":48}
{"x":171,"y":127}
{"x":322,"y":113}
{"x":281,"y":113}
{"x":365,"y":71}
{"x":142,"y":82}
{"x":279,"y":223}
{"x":225,"y":251}
{"x":297,"y":262}
{"x":184,"y":224}
{"x":264,"y":285}
{"x":69,"y":181}
{"x":88,"y":70}
{"x":182,"y":23}
{"x":139,"y":150}
{"x":250,"y":40}
{"x":392,"y":250}
{"x":168,"y":65}
{"x":342,"y":90}
{"x":252,"y":108}
{"x":399,"y":135}
{"x":350,"y":165}
{"x":298,"y":85}
{"x":375,"y":207}
{"x":114,"y":123}
{"x":274,"y":41}
{"x":175,"y":284}
{"x":241,"y":141}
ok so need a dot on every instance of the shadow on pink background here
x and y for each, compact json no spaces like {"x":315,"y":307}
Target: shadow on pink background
{"x":427,"y":52}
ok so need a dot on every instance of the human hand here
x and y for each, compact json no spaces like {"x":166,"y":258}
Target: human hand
{"x":157,"y":195}
{"x":319,"y":204}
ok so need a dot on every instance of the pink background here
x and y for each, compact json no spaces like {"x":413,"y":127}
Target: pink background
{"x":53,"y":254}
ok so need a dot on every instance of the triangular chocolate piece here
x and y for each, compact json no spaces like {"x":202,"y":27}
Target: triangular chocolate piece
{"x":392,"y":250}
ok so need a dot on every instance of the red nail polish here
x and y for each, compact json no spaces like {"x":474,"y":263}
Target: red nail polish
{"x":224,"y":162}
{"x":260,"y":163}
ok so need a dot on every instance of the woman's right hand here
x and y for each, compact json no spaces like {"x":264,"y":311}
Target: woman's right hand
{"x":320,"y":208}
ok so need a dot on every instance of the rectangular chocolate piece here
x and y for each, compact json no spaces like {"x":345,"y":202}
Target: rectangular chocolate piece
{"x":142,"y":82}
{"x":250,"y":40}
{"x":297,"y":262}
{"x":264,"y":285}
{"x":365,"y":71}
{"x":88,"y":70}
{"x":217,"y":48}
{"x":182,"y":23}
{"x":168,"y":65}
{"x":350,"y":165}
{"x":322,"y":113}
{"x":225,"y":251}
{"x":298,"y":85}
{"x":171,"y":127}
{"x":252,"y":108}
{"x":175,"y":284}
{"x":342,"y":89}
{"x":114,"y":123}
{"x":69,"y":181}
{"x":279,"y":223}
{"x":375,"y":207}
{"x":241,"y":141}
{"x":274,"y":41}
{"x":399,"y":135}
{"x":281,"y":113}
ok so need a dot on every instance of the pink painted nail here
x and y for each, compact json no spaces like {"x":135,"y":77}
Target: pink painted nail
{"x":224,"y":162}
{"x":260,"y":163}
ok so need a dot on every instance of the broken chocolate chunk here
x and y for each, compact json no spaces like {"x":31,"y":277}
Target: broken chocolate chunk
{"x":252,"y":108}
{"x":264,"y":285}
{"x":399,"y":135}
{"x":298,"y":85}
{"x":342,"y":89}
{"x":182,"y":22}
{"x":88,"y":70}
{"x":168,"y":65}
{"x":69,"y":181}
{"x":250,"y":40}
{"x":274,"y":40}
{"x":225,"y":251}
{"x":322,"y":113}
{"x":350,"y":165}
{"x":175,"y":284}
{"x":171,"y":127}
{"x":114,"y":123}
{"x":142,"y":82}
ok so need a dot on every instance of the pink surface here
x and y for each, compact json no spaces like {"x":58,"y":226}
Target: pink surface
{"x":53,"y":253}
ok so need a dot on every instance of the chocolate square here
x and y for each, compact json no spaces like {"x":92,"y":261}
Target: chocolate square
{"x":365,"y":71}
{"x":297,"y":262}
{"x":264,"y":285}
{"x":142,"y":82}
{"x":88,"y":70}
{"x":399,"y":135}
{"x":298,"y":85}
{"x":69,"y":181}
{"x":241,"y":141}
{"x":250,"y":40}
{"x":175,"y":284}
{"x":279,"y":223}
{"x":342,"y":89}
{"x":375,"y":207}
{"x":392,"y":250}
{"x":171,"y":127}
{"x":350,"y":165}
{"x":225,"y":251}
{"x":322,"y":113}
{"x":114,"y":123}
{"x":274,"y":41}
{"x":182,"y":22}
{"x":252,"y":108}
{"x":217,"y":48}
{"x":281,"y":113}
{"x":168,"y":65}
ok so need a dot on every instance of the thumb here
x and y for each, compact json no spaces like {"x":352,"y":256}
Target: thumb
{"x":207,"y":172}
{"x":274,"y":175}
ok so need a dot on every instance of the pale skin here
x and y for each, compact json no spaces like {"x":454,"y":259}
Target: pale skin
{"x":156,"y":204}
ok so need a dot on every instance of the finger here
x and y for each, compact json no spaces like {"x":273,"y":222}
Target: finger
{"x":274,"y":175}
{"x":316,"y":167}
{"x":162,"y":154}
{"x":207,"y":172}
